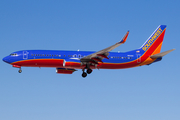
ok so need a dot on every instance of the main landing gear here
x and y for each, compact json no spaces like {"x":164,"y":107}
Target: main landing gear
{"x":89,"y":71}
{"x":84,"y":74}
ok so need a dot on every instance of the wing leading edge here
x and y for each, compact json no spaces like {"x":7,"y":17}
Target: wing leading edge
{"x":98,"y":56}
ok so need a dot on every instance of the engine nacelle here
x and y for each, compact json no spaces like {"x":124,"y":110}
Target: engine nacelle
{"x":64,"y":70}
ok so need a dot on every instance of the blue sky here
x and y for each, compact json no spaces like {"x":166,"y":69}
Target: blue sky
{"x":143,"y":93}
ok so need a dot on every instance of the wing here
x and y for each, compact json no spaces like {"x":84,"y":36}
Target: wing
{"x":98,"y":56}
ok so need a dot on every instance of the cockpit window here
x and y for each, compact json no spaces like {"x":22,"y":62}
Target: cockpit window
{"x":13,"y":54}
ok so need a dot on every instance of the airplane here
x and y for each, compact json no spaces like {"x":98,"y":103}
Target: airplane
{"x":66,"y":62}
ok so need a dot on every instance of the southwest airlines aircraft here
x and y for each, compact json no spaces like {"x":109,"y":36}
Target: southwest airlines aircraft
{"x":66,"y":62}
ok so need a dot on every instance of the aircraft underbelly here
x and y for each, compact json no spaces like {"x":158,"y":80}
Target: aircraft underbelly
{"x":59,"y":63}
{"x":40,"y":63}
{"x":116,"y":66}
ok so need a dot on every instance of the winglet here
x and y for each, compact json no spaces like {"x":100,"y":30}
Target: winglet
{"x":125,"y":37}
{"x":161,"y":54}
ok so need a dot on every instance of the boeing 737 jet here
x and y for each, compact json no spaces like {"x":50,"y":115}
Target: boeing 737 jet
{"x":66,"y":62}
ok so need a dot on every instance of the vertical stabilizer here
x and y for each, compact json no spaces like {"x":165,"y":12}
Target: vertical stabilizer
{"x":154,"y":42}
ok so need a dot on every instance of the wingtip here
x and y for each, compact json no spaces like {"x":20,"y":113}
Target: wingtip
{"x":172,"y":49}
{"x":125,"y":37}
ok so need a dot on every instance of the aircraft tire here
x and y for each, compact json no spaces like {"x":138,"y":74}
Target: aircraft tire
{"x":84,"y":74}
{"x":20,"y":71}
{"x":89,"y":71}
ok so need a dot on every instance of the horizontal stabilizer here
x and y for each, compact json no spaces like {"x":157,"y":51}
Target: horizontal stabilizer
{"x":161,"y":54}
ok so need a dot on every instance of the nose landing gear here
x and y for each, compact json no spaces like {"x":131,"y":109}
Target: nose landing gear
{"x":20,"y":71}
{"x":17,"y":66}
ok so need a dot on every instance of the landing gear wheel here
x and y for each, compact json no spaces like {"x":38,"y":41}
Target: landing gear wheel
{"x":84,"y":74}
{"x":20,"y":71}
{"x":89,"y":71}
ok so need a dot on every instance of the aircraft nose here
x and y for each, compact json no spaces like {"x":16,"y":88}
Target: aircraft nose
{"x":5,"y":59}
